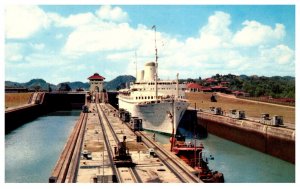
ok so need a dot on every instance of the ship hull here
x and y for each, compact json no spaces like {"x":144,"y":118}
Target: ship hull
{"x":157,"y":117}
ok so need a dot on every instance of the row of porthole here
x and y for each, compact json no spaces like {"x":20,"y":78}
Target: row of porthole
{"x":183,"y":89}
{"x":149,"y":97}
{"x":161,"y":83}
{"x":141,"y":97}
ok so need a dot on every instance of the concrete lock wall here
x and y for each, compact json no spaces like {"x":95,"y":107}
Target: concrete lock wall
{"x":17,"y":117}
{"x":63,"y":101}
{"x":52,"y":102}
{"x":281,"y":143}
{"x":276,"y":141}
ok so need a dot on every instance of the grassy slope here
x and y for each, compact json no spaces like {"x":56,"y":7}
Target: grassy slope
{"x":252,"y":109}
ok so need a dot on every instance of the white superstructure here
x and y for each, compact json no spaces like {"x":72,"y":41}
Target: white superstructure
{"x":159,"y":103}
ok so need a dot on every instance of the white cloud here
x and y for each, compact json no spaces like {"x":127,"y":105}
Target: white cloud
{"x":115,"y":14}
{"x":72,"y":20}
{"x":24,"y":21}
{"x":216,"y":33}
{"x":255,"y":33}
{"x":105,"y":14}
{"x":13,"y":52}
{"x":15,"y":58}
{"x":79,"y":19}
{"x":103,"y":30}
{"x":120,"y":56}
{"x":37,"y":46}
{"x":103,"y":37}
{"x":59,"y":36}
{"x":111,"y":73}
{"x":93,"y":35}
{"x":280,"y":55}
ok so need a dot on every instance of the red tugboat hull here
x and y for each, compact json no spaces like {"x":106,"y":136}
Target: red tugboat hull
{"x":192,"y":155}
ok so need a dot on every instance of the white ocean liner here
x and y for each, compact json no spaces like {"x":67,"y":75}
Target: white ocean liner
{"x":159,"y":103}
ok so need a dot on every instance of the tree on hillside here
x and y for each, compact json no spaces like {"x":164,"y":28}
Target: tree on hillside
{"x":189,"y":80}
{"x":37,"y":88}
{"x":49,"y":88}
{"x":121,"y":86}
{"x":64,"y":87}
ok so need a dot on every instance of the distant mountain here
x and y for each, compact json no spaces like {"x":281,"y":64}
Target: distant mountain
{"x":37,"y":83}
{"x":32,"y":84}
{"x":275,"y":86}
{"x":76,"y":84}
{"x":286,"y":78}
{"x":119,"y":82}
{"x":244,"y":77}
{"x":115,"y":84}
{"x":12,"y":84}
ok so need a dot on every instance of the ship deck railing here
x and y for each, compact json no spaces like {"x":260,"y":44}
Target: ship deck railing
{"x":152,"y":101}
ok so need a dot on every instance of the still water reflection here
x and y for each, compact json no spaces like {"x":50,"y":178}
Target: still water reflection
{"x":32,"y":150}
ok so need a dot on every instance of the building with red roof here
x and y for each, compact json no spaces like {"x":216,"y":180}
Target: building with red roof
{"x":210,"y":81}
{"x":96,"y":77}
{"x":194,"y":87}
{"x":206,"y":89}
{"x":96,"y":83}
{"x":225,"y":83}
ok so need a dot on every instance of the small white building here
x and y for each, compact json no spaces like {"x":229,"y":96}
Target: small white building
{"x":96,"y":83}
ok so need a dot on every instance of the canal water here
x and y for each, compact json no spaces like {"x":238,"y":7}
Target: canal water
{"x":241,"y":164}
{"x":31,"y":151}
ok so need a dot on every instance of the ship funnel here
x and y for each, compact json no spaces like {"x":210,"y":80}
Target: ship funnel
{"x":140,"y":76}
{"x":149,"y":71}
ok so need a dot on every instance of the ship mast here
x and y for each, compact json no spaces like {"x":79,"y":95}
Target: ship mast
{"x":177,"y":86}
{"x":156,"y":57}
{"x":135,"y":65}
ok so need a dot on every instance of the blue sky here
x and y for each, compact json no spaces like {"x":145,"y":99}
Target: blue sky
{"x":70,"y":43}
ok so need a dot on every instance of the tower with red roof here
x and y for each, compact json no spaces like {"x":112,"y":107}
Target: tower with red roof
{"x":96,"y":83}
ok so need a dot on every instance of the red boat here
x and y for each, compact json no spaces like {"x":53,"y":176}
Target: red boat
{"x":191,"y":154}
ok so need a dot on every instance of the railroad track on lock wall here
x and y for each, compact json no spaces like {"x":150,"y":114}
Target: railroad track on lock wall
{"x":176,"y":167}
{"x":123,"y":174}
{"x":66,"y":167}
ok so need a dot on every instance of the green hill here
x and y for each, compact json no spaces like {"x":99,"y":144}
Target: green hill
{"x":117,"y":83}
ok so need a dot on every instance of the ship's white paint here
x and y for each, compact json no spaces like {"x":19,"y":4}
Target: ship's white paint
{"x":140,"y":76}
{"x":157,"y":111}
